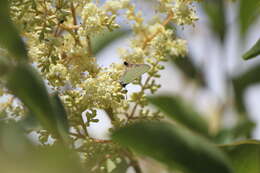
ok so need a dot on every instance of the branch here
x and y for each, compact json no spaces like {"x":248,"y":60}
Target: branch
{"x":165,"y":22}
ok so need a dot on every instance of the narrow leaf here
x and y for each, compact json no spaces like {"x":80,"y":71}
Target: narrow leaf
{"x":245,"y":156}
{"x":25,"y":83}
{"x":9,"y":37}
{"x":181,"y":112}
{"x":253,"y":52}
{"x":61,"y":114}
{"x":174,"y":146}
{"x":61,"y":117}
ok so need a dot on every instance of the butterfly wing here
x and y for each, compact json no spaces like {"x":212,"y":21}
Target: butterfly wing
{"x":134,"y":72}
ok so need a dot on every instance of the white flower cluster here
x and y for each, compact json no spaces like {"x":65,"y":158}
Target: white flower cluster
{"x":135,"y":56}
{"x":165,"y":44}
{"x":58,"y":74}
{"x":60,"y":42}
{"x":104,"y":91}
{"x":183,"y":11}
{"x":95,"y":20}
{"x":178,"y":47}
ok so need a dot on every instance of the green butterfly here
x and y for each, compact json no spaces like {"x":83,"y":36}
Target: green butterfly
{"x":133,"y":72}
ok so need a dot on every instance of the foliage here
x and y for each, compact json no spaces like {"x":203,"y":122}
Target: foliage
{"x":175,"y":146}
{"x":244,"y":155}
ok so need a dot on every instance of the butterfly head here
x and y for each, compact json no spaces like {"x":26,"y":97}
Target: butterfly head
{"x":123,"y":84}
{"x":126,"y":63}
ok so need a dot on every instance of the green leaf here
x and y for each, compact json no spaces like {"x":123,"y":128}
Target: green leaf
{"x":61,"y":114}
{"x":189,"y":69}
{"x":215,"y":11}
{"x":55,"y":159}
{"x":61,"y":117}
{"x":101,"y":41}
{"x":245,"y":156}
{"x":248,"y":12}
{"x":13,"y":140}
{"x":253,"y":52}
{"x":174,"y":146}
{"x":29,"y":122}
{"x":4,"y":66}
{"x":243,"y":129}
{"x":16,"y":149}
{"x":9,"y":37}
{"x":27,"y":85}
{"x":181,"y":112}
{"x":241,"y":83}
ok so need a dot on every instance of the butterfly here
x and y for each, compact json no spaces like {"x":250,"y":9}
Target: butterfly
{"x":133,"y":72}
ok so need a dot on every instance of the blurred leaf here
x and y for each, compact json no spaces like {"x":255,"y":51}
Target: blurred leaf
{"x":3,"y":115}
{"x":248,"y":12}
{"x":253,"y":52}
{"x":29,"y":122}
{"x":25,"y":83}
{"x":243,"y":129}
{"x":245,"y":156}
{"x":9,"y":37}
{"x":13,"y":140}
{"x":189,"y":69}
{"x":181,"y":112}
{"x":61,"y":116}
{"x":101,"y":41}
{"x":175,"y":146}
{"x":55,"y":159}
{"x":16,"y":149}
{"x":224,"y":136}
{"x":241,"y":83}
{"x":4,"y":66}
{"x":215,"y":11}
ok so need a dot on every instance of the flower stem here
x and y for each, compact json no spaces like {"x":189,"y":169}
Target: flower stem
{"x":165,"y":22}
